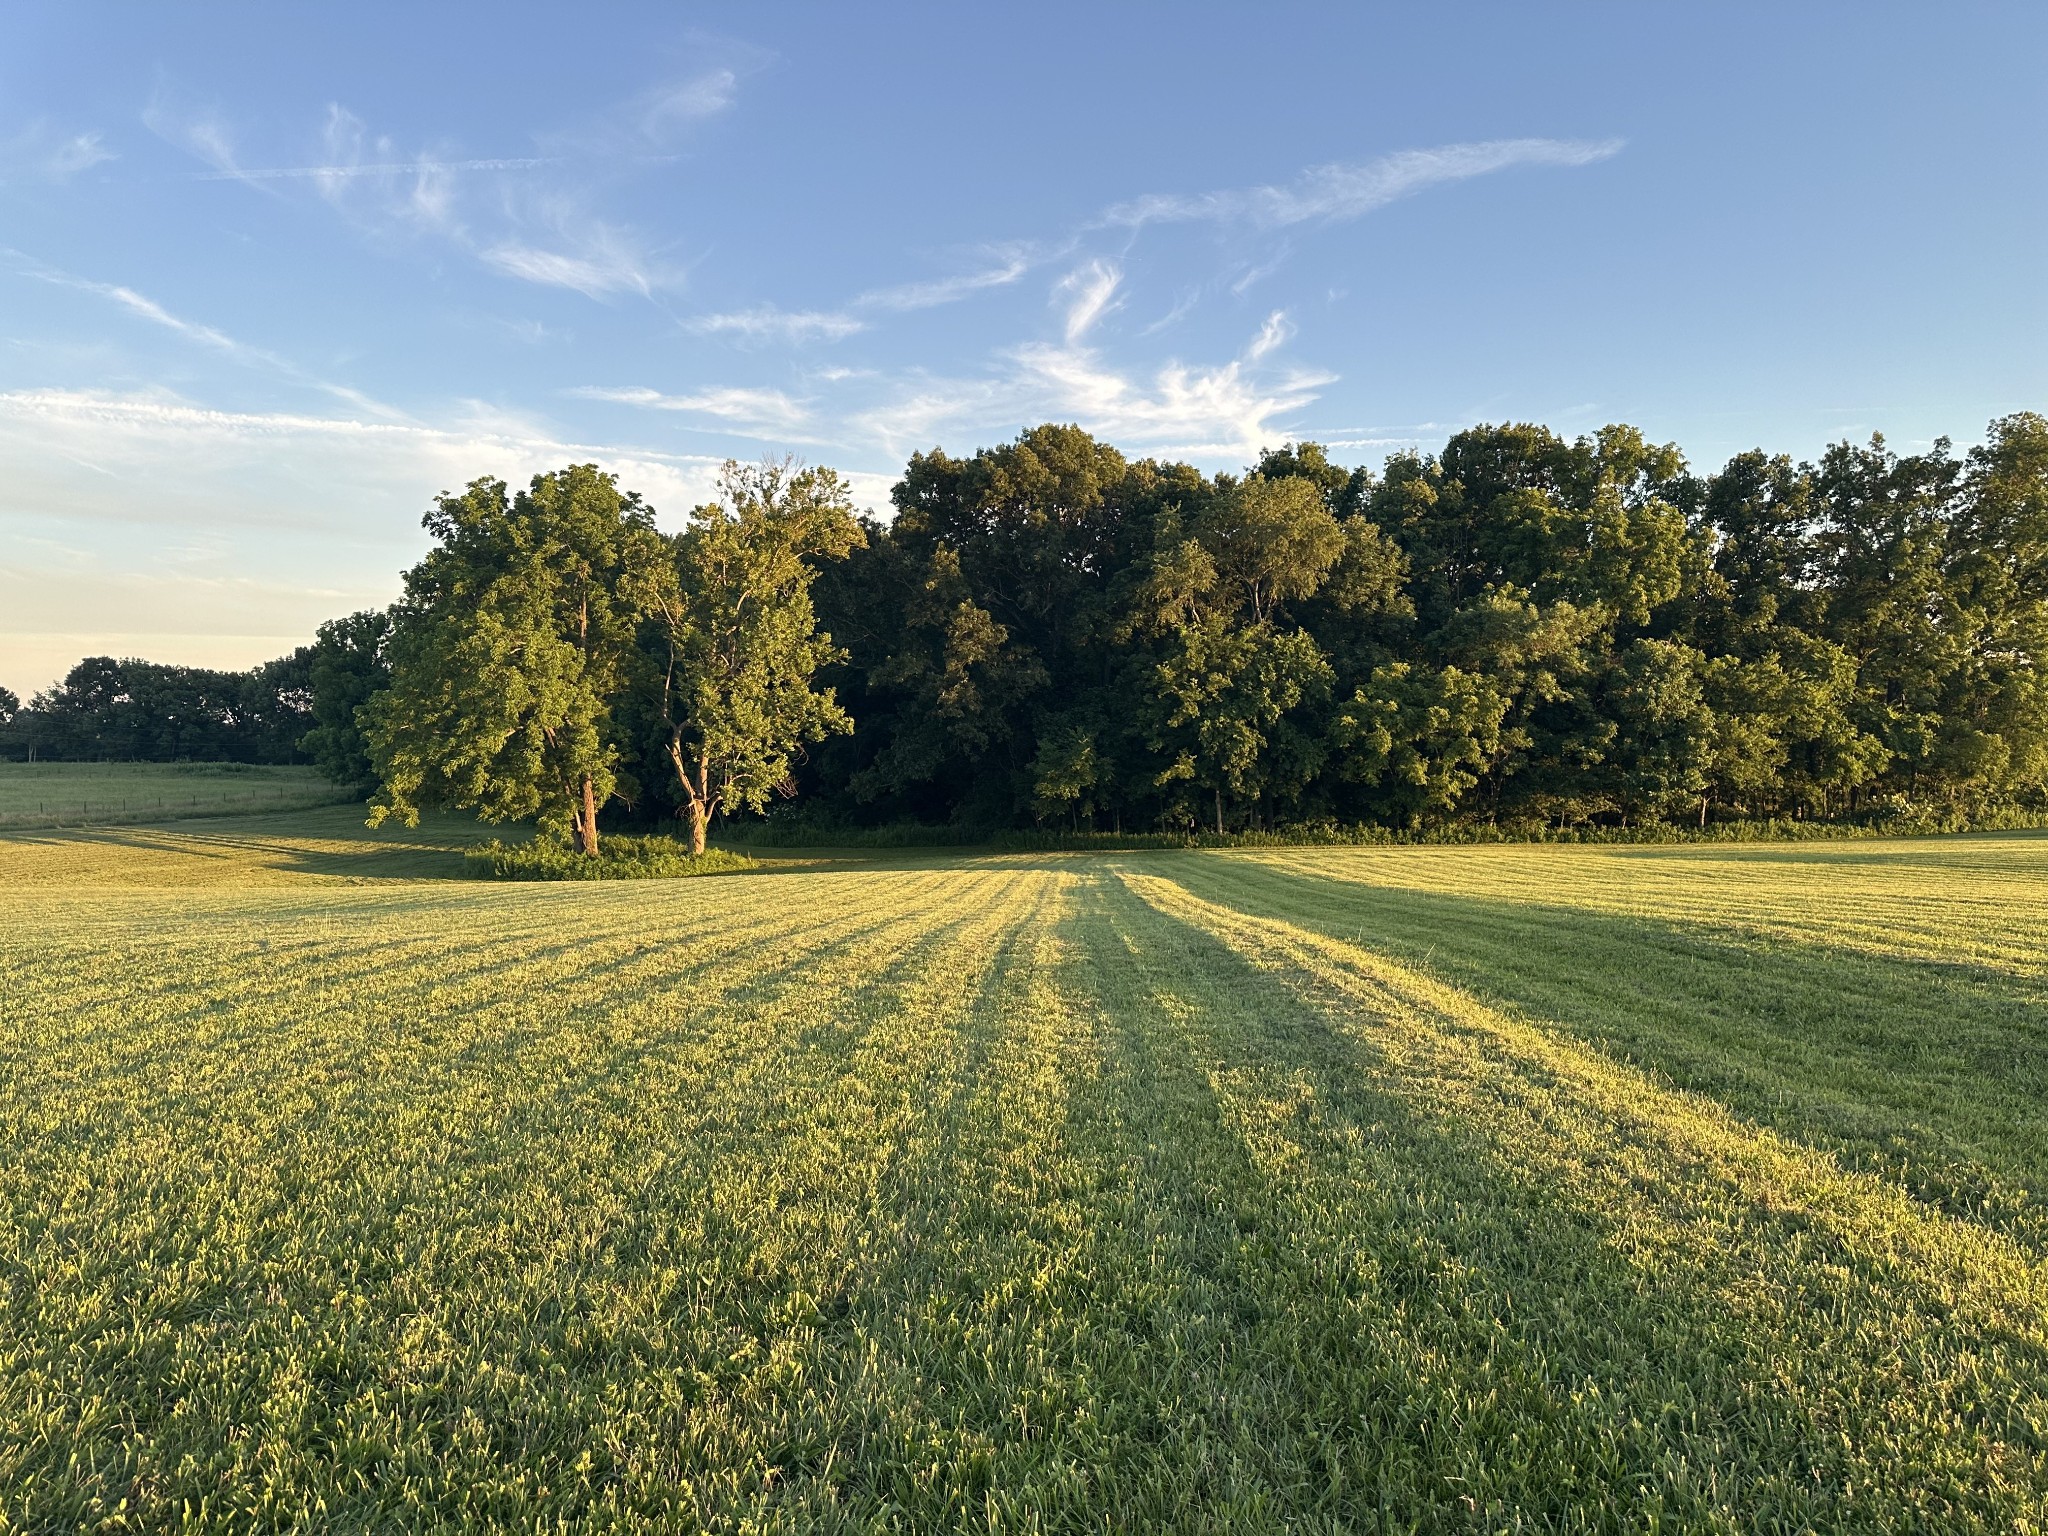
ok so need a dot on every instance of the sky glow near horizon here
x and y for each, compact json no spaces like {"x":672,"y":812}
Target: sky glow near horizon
{"x":271,"y":279}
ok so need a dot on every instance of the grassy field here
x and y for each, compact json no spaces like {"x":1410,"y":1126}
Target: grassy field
{"x":1408,"y":1189}
{"x":85,"y":794}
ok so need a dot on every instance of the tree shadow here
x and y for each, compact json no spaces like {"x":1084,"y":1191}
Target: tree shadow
{"x":328,"y":841}
{"x":1422,"y":1298}
{"x":1929,"y":1072}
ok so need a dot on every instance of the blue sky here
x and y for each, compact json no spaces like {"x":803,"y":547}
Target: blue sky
{"x":272,"y":276}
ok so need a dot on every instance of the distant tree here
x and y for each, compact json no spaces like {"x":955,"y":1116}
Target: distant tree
{"x":128,"y":710}
{"x":514,"y":642}
{"x":739,"y":645}
{"x":274,"y":705}
{"x":10,"y":706}
{"x":348,"y":669}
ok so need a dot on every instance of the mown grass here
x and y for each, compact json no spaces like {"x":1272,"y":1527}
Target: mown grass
{"x":87,"y":794}
{"x":1409,"y":1189}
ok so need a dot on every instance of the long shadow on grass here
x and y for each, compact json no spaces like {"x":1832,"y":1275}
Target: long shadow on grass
{"x":324,"y":840}
{"x":1422,"y":1326}
{"x":533,"y":1222}
{"x":1932,"y":1073}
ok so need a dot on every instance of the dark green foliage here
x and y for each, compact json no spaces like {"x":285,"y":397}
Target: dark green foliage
{"x":348,"y":669}
{"x":125,"y":710}
{"x":619,"y":858}
{"x":1522,"y":632}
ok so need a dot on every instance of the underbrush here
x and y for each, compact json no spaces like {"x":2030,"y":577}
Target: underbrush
{"x":619,"y":857}
{"x":1331,"y":835}
{"x":1890,"y":821}
{"x":799,"y":832}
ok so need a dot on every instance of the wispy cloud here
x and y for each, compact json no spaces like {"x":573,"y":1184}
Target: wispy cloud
{"x":740,"y":407}
{"x":1225,"y":410}
{"x":654,"y":123}
{"x":542,"y":230}
{"x":1327,"y":193}
{"x":1275,"y":333}
{"x":329,"y":173}
{"x":199,"y":131}
{"x":1333,"y":192}
{"x":156,"y":314}
{"x":661,"y":112}
{"x":1235,"y":407}
{"x":1089,"y":292}
{"x":605,"y":264}
{"x":767,"y":322}
{"x":43,"y":153}
{"x":1010,"y":265}
{"x":1232,"y":408}
{"x":132,"y":435}
{"x":145,"y":308}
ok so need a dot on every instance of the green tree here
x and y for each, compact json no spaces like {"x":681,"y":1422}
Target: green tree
{"x":1269,"y":543}
{"x":1225,"y":694}
{"x":1664,"y":731}
{"x":1232,"y":670}
{"x":956,"y":679}
{"x":348,"y":670}
{"x":510,"y":651}
{"x":739,"y":639}
{"x":1420,"y":737}
{"x":1067,"y":772}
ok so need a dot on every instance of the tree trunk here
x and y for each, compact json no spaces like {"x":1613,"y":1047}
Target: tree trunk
{"x":586,"y":820}
{"x":696,"y":794}
{"x":1219,"y":812}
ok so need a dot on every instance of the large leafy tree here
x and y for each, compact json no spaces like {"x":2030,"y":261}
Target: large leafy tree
{"x":513,"y":643}
{"x":1233,"y":671}
{"x":738,"y":639}
{"x":348,"y":668}
{"x":984,"y":620}
{"x":1420,"y":737}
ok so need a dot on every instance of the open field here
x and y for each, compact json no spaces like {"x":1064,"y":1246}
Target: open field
{"x":1393,"y":1189}
{"x":83,"y":794}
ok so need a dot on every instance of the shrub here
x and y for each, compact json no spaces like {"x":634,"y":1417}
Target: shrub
{"x":618,"y":858}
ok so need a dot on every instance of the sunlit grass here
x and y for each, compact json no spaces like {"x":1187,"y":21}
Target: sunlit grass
{"x":1386,"y":1190}
{"x":86,"y":794}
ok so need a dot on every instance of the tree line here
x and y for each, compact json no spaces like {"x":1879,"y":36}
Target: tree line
{"x":1520,"y":629}
{"x":125,"y":710}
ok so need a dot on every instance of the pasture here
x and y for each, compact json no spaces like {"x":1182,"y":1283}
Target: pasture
{"x":83,"y":794}
{"x":1390,"y":1189}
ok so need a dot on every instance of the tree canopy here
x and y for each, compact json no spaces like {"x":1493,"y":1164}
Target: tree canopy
{"x":1520,"y":629}
{"x":737,"y":639}
{"x":514,"y":640}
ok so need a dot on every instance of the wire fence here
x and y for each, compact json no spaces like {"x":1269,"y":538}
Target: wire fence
{"x":170,"y":805}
